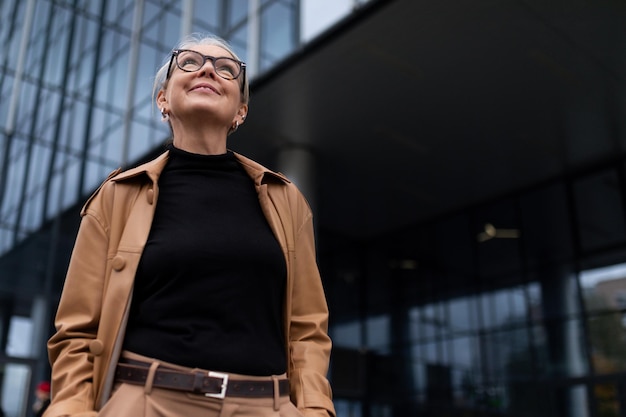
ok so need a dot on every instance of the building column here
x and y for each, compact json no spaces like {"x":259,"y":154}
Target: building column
{"x":133,"y":65}
{"x":186,"y":19}
{"x":253,"y":59}
{"x":41,"y":326}
{"x":561,"y":308}
{"x":297,"y":162}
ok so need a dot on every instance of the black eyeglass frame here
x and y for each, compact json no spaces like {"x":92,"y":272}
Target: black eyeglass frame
{"x":205,"y":58}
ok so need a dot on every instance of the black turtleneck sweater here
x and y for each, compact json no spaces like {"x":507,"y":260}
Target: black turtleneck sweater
{"x":210,"y":284}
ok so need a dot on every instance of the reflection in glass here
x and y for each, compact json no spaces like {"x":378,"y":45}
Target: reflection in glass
{"x":278,"y":36}
{"x":604,"y":289}
{"x":377,"y":331}
{"x":347,"y":334}
{"x":431,"y":321}
{"x":577,"y":401}
{"x":496,"y":348}
{"x":607,"y":399}
{"x":462,"y":314}
{"x":465,"y":353}
{"x":348,"y":408}
{"x":426,"y":353}
{"x":604,"y":297}
{"x":607,"y":337}
{"x":20,"y":337}
{"x":14,"y":388}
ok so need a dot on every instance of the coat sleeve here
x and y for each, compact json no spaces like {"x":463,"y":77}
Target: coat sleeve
{"x":77,"y":320}
{"x":309,"y":343}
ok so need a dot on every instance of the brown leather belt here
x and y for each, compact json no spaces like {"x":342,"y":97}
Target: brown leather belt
{"x":211,"y":384}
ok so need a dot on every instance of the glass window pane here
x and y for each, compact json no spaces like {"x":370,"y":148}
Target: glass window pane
{"x":462,"y":315}
{"x":15,"y":387}
{"x":319,"y":15}
{"x":427,"y":352}
{"x":559,"y":347}
{"x":32,"y":215}
{"x":465,"y":354}
{"x":348,"y":408}
{"x":608,"y":398}
{"x":346,"y":334}
{"x":15,"y":177}
{"x":209,"y":11}
{"x":604,"y":289}
{"x":277,"y":32}
{"x":607,"y":336}
{"x":237,"y":11}
{"x":533,"y":292}
{"x":20,"y":337}
{"x":378,"y":333}
{"x":506,"y":307}
{"x":431,"y":322}
{"x":94,"y":7}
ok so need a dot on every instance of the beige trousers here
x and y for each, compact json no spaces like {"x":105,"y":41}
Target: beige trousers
{"x":130,"y":400}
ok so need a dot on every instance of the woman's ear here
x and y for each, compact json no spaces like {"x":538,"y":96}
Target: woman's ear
{"x":242,"y":113}
{"x":161,"y":100}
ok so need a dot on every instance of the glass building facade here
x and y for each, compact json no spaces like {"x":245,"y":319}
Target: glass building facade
{"x":454,"y":317}
{"x":76,"y":83}
{"x":440,"y":320}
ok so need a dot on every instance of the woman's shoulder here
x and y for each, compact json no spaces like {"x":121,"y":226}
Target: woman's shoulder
{"x":132,"y":180}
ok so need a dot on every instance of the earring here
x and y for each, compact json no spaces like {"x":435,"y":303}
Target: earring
{"x":235,"y":126}
{"x":164,"y":116}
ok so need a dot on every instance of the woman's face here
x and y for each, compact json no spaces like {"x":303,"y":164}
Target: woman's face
{"x":203,"y":92}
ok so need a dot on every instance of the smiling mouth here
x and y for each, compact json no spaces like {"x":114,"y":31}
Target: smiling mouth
{"x":205,"y":88}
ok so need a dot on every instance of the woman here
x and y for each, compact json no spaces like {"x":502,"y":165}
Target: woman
{"x":193,"y":287}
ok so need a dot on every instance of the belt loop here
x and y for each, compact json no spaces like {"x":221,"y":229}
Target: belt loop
{"x":150,"y":378}
{"x":276,"y":393}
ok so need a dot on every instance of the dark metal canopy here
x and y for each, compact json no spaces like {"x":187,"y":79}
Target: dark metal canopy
{"x":414,"y":109}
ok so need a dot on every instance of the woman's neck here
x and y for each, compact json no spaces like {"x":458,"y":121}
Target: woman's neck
{"x":207,"y":140}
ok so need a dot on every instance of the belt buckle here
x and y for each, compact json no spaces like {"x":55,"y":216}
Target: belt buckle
{"x":222,"y":393}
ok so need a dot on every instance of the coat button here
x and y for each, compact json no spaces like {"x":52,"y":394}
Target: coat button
{"x":118,"y":263}
{"x":150,"y":196}
{"x":96,"y":347}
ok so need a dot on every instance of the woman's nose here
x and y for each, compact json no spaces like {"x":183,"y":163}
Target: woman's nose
{"x":207,"y":68}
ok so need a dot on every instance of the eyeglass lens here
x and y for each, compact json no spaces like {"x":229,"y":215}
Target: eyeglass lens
{"x":192,"y":61}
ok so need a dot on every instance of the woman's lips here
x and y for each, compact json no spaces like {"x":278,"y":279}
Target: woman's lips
{"x":204,"y":87}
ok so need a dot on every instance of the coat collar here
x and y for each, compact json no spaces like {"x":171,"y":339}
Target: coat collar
{"x":153,"y":169}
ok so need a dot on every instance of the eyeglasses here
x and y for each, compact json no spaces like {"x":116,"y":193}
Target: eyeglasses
{"x":190,"y":61}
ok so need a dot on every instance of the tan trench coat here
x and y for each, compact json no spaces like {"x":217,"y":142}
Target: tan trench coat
{"x":92,"y":313}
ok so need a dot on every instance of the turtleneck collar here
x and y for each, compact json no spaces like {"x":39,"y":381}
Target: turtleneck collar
{"x":179,"y":158}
